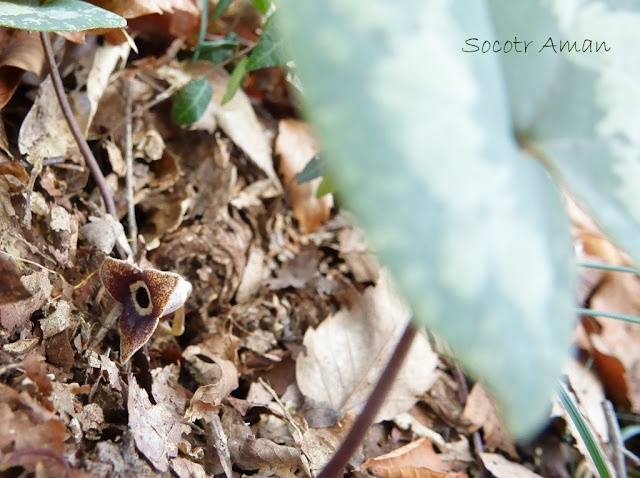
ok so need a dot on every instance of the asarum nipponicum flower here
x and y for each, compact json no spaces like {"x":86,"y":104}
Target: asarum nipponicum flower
{"x":147,"y":296}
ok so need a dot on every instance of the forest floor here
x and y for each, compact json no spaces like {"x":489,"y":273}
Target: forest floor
{"x":290,"y":319}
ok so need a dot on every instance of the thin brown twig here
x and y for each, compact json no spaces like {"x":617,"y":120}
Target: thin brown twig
{"x":89,"y":159}
{"x":361,"y":426}
{"x":131,"y":214}
{"x":615,"y":438}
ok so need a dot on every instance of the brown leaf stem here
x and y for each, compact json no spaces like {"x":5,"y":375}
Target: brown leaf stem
{"x":42,"y":452}
{"x":89,"y":159}
{"x":360,"y":427}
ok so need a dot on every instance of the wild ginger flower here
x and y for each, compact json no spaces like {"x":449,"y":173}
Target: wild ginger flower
{"x":147,"y":296}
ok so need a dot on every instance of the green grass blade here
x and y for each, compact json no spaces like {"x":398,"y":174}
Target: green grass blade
{"x":612,"y":315}
{"x":596,"y":453}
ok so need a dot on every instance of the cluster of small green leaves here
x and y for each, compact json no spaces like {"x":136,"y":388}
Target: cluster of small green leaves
{"x":191,"y":101}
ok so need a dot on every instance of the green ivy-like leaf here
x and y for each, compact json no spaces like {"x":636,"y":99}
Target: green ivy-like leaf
{"x":236,"y":78}
{"x":421,"y":140}
{"x":191,"y":101}
{"x":57,"y":16}
{"x":270,"y":48}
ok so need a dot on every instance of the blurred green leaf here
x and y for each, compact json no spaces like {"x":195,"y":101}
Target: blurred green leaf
{"x":221,"y":7}
{"x":327,"y":186}
{"x":218,"y":51}
{"x":420,"y":137}
{"x":262,"y":5}
{"x":270,"y":48}
{"x":236,"y":79}
{"x":579,"y":110}
{"x":191,"y":101}
{"x":316,"y":167}
{"x":57,"y":16}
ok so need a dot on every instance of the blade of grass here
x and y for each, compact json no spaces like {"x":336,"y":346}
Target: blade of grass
{"x":596,"y":453}
{"x":608,"y":267}
{"x":612,"y":315}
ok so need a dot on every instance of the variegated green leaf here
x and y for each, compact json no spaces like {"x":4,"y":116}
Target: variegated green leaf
{"x":57,"y":16}
{"x":420,"y":139}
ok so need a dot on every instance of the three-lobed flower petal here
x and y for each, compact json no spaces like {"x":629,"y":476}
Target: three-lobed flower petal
{"x":147,"y":296}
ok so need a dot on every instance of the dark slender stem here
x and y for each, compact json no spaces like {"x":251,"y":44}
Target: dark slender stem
{"x":89,"y":159}
{"x":361,"y":426}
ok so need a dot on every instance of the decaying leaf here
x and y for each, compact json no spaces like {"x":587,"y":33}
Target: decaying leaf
{"x":344,"y":356}
{"x":12,"y":289}
{"x":296,"y":146}
{"x":417,"y":459}
{"x":20,"y":51}
{"x":500,"y":467}
{"x":156,"y":430}
{"x":480,"y":411}
{"x":15,"y":315}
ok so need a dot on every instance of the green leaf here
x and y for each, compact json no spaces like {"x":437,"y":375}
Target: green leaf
{"x":270,"y":48}
{"x":191,"y":101}
{"x":316,"y":167}
{"x":420,"y":137}
{"x":327,"y":186}
{"x":262,"y":5}
{"x":57,"y":16}
{"x":579,"y":110}
{"x":221,"y":7}
{"x":217,"y":51}
{"x":236,"y":78}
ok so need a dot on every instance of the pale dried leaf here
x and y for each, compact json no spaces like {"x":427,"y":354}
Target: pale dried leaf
{"x":156,"y":431}
{"x":15,"y":315}
{"x":500,"y":467}
{"x":415,"y":460}
{"x":481,"y":411}
{"x":102,"y":232}
{"x":345,"y":355}
{"x":44,"y":133}
{"x":187,"y":469}
{"x":58,"y":321}
{"x":253,"y":274}
{"x":296,"y":145}
{"x":106,"y":59}
{"x":237,"y":119}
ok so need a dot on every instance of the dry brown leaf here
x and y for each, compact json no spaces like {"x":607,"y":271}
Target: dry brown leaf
{"x":12,"y":289}
{"x":24,"y":425}
{"x":415,"y":460}
{"x":251,"y":453}
{"x":179,"y":18}
{"x":296,"y":145}
{"x":187,"y":469}
{"x":20,"y":51}
{"x":44,"y":133}
{"x":500,"y":467}
{"x":156,"y":430}
{"x":345,"y":355}
{"x":480,"y":411}
{"x":16,"y":315}
{"x":218,"y":376}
